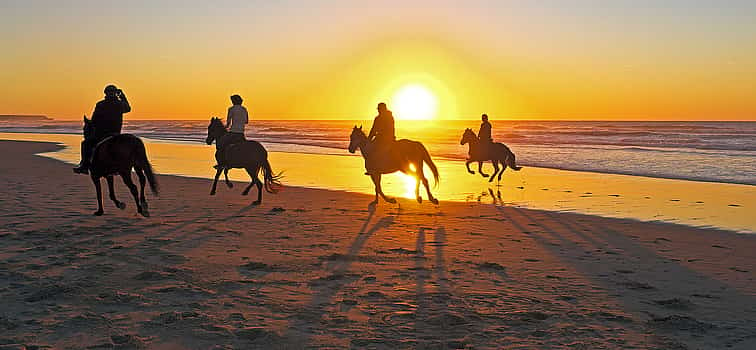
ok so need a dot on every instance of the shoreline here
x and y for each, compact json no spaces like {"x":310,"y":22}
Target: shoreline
{"x":325,"y":271}
{"x":647,"y":199}
{"x":441,"y":157}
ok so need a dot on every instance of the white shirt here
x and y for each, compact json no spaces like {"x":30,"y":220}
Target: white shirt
{"x":237,"y":118}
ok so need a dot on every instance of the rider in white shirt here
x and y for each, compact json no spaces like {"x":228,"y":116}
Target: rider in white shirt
{"x":235,"y":121}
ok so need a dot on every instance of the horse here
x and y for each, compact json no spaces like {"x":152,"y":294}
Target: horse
{"x":413,"y":155}
{"x":250,"y":155}
{"x":117,"y":155}
{"x":497,"y":154}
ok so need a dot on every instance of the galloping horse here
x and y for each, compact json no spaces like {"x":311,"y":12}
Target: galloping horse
{"x":498,"y":154}
{"x":250,"y":155}
{"x":118,"y":154}
{"x":413,"y":154}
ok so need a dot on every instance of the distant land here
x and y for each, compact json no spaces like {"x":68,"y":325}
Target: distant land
{"x":11,"y":117}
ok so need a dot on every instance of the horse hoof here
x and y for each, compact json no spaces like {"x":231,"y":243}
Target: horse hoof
{"x":491,"y":179}
{"x":212,"y":193}
{"x":256,"y":202}
{"x":434,"y":201}
{"x":121,"y":205}
{"x":230,"y":185}
{"x":245,"y":193}
{"x":144,"y":204}
{"x":471,"y":172}
{"x":145,"y":213}
{"x":484,"y":175}
{"x":98,"y":213}
{"x":419,"y":199}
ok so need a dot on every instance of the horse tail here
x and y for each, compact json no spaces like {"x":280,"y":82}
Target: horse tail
{"x":271,"y":181}
{"x":511,"y":161}
{"x":427,"y":159}
{"x":143,"y":163}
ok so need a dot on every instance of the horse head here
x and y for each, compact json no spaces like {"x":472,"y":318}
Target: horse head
{"x":468,"y":136}
{"x":215,"y":130}
{"x":88,"y":128}
{"x":357,"y":139}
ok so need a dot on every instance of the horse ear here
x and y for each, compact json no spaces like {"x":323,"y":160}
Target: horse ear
{"x":360,"y":127}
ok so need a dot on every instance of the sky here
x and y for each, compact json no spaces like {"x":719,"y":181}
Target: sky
{"x":565,"y":59}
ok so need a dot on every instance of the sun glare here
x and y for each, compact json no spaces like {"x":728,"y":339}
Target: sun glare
{"x":414,"y":102}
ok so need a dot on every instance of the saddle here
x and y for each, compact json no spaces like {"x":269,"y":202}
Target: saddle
{"x":384,"y":158}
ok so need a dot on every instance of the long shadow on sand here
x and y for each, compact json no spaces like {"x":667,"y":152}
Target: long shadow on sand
{"x":306,"y":323}
{"x":610,"y":265}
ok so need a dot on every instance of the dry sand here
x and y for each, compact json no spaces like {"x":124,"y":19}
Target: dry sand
{"x":318,"y":269}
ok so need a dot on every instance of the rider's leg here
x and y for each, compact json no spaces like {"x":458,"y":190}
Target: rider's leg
{"x":86,"y":155}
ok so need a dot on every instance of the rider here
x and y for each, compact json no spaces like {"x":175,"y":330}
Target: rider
{"x":484,"y":135}
{"x":383,"y":135}
{"x":107,"y":119}
{"x":235,"y":121}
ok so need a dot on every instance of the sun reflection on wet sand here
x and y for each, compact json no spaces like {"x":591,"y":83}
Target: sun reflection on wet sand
{"x":694,"y":203}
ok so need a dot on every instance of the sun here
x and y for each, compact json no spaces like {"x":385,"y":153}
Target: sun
{"x":414,"y":102}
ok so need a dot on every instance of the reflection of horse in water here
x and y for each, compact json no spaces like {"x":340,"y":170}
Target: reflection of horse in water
{"x":117,"y":155}
{"x":498,"y":153}
{"x":411,"y":156}
{"x":250,"y":155}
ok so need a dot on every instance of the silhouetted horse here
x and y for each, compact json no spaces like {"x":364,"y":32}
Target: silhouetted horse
{"x":412,"y":153}
{"x":250,"y":155}
{"x":498,"y":154}
{"x":117,"y":155}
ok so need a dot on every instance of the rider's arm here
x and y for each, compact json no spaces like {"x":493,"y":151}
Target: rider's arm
{"x":125,"y":106}
{"x":228,"y":119}
{"x":373,"y":129}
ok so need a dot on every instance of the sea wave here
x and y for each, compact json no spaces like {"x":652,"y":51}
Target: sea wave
{"x":707,"y":151}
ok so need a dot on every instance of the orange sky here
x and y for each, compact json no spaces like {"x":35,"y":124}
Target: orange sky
{"x":337,"y":59}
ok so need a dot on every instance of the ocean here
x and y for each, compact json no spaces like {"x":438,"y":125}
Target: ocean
{"x":702,"y":151}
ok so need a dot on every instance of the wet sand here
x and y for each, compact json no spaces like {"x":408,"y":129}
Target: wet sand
{"x":694,"y":203}
{"x":315,"y":268}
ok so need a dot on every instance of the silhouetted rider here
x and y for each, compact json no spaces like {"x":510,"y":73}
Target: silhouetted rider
{"x":484,"y":135}
{"x":382,"y":134}
{"x":107,"y":119}
{"x":237,"y":118}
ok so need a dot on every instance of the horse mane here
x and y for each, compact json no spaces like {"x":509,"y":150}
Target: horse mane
{"x":216,"y":121}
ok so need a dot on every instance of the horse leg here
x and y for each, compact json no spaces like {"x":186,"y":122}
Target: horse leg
{"x":376,"y":183}
{"x":253,"y":177}
{"x":496,"y":170}
{"x":467,"y":165}
{"x":503,"y":167}
{"x":111,"y":191}
{"x":228,"y":183}
{"x":142,"y":182}
{"x":215,"y":182}
{"x":98,"y":189}
{"x":427,"y":189}
{"x":255,"y":180}
{"x":418,"y":175}
{"x":480,"y":169}
{"x":126,"y":176}
{"x":380,"y":190}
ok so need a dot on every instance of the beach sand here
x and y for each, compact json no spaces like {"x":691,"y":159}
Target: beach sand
{"x":319,"y":269}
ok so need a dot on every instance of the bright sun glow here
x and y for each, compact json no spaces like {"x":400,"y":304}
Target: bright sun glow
{"x":414,"y":102}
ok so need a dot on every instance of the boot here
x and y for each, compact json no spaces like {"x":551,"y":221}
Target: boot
{"x":82,"y":168}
